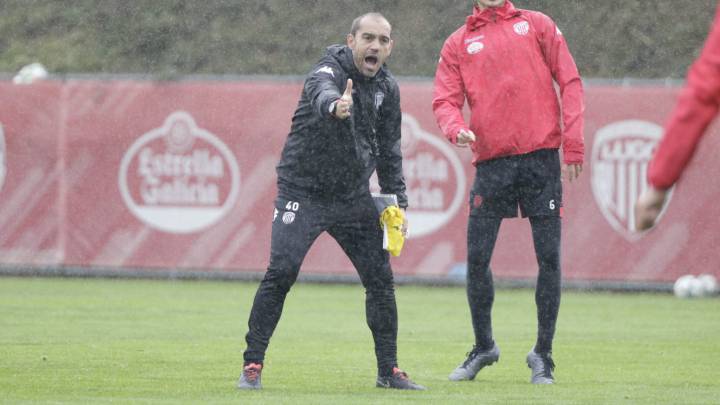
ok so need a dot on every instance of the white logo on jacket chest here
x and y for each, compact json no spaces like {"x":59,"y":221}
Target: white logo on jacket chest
{"x":521,"y":28}
{"x":475,"y":47}
{"x":379,"y":97}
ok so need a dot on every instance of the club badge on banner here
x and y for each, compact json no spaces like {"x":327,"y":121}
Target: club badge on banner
{"x":620,"y":155}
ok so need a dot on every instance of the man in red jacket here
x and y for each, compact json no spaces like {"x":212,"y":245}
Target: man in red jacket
{"x":505,"y":62}
{"x":696,"y":108}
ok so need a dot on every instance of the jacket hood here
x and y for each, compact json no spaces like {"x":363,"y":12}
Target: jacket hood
{"x":482,"y":17}
{"x":343,"y":54}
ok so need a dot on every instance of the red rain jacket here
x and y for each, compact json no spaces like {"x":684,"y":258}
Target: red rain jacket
{"x":504,"y":61}
{"x":696,"y":108}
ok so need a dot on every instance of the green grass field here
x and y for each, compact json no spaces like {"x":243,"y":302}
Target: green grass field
{"x":143,"y":341}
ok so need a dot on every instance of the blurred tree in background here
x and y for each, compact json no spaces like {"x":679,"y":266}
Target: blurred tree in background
{"x":168,"y":38}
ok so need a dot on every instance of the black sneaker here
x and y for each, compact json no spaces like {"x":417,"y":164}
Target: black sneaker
{"x":398,"y":380}
{"x":542,"y":367}
{"x":475,"y":361}
{"x":250,"y":378}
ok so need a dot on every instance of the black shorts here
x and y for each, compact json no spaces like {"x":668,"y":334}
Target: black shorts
{"x":531,"y":182}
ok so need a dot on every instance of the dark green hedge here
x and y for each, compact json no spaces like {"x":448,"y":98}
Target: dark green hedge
{"x":610,"y":39}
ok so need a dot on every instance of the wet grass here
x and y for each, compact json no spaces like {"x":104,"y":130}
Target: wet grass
{"x":142,"y":341}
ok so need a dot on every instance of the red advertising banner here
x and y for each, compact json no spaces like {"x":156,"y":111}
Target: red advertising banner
{"x":181,"y":177}
{"x":31,"y":174}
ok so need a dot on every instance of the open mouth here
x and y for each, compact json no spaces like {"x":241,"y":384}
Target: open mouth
{"x":371,"y":60}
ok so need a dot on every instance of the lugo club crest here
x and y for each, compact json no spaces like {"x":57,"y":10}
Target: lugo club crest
{"x":620,"y":155}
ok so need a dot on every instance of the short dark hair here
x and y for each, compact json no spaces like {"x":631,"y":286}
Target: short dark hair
{"x":356,"y":22}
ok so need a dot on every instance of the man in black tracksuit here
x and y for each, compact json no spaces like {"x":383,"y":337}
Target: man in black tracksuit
{"x":346,"y":126}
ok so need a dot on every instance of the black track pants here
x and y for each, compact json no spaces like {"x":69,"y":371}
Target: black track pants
{"x":355,"y":226}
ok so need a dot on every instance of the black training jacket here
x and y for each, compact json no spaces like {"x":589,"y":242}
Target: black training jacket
{"x":330,"y":159}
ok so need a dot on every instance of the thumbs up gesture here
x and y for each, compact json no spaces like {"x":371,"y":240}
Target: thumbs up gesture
{"x":343,"y":106}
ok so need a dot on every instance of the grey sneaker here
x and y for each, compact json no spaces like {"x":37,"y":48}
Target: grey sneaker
{"x":250,"y":378}
{"x":475,"y":361}
{"x":398,"y":380}
{"x":542,"y":367}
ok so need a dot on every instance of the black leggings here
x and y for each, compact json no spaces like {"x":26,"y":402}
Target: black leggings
{"x":482,"y":235}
